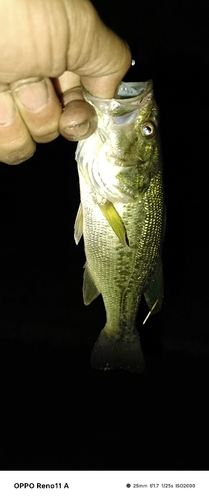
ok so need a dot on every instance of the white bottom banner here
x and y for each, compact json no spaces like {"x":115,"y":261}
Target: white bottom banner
{"x":103,"y":485}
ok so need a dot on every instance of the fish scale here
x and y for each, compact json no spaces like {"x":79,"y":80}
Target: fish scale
{"x":134,"y":265}
{"x":121,"y":269}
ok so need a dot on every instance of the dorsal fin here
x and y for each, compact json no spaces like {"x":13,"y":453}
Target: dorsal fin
{"x":155,"y":291}
{"x":78,"y":227}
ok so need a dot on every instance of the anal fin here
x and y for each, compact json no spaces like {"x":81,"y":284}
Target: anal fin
{"x":90,"y":291}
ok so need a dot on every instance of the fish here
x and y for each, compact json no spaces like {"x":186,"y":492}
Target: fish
{"x":121,"y":218}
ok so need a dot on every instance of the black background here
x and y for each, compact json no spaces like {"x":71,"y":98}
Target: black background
{"x":56,"y":412}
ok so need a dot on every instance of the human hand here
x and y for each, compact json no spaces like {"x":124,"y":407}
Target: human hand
{"x":49,"y":48}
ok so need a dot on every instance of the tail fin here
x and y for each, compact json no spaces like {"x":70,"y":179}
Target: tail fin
{"x":109,"y":352}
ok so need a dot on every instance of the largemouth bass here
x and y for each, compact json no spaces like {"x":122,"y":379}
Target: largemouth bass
{"x":121,"y":219}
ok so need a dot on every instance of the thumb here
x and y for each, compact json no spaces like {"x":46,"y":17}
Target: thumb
{"x":96,"y":54}
{"x":98,"y":59}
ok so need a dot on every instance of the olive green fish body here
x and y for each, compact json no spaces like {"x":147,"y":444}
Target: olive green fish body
{"x":121,"y":220}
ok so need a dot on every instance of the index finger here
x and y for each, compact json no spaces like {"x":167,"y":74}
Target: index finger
{"x":78,"y":119}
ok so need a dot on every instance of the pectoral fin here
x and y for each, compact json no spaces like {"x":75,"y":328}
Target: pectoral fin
{"x":155,"y":291}
{"x":78,"y":227}
{"x":115,"y":221}
{"x":90,"y":291}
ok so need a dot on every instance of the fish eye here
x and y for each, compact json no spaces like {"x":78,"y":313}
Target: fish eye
{"x":148,"y":129}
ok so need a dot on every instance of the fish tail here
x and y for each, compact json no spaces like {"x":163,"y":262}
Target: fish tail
{"x":109,"y":353}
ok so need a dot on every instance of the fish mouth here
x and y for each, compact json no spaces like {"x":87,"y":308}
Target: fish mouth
{"x":126,"y":91}
{"x":132,"y":90}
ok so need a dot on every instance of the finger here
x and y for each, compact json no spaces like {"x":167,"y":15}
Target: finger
{"x":100,"y":57}
{"x":78,"y":120}
{"x":39,"y":107}
{"x":16,"y":144}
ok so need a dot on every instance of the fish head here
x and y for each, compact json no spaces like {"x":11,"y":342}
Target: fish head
{"x":134,"y":143}
{"x":126,"y":143}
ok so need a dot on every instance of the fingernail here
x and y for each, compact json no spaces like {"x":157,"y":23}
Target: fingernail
{"x":33,"y":95}
{"x":7,"y":108}
{"x":76,"y":132}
